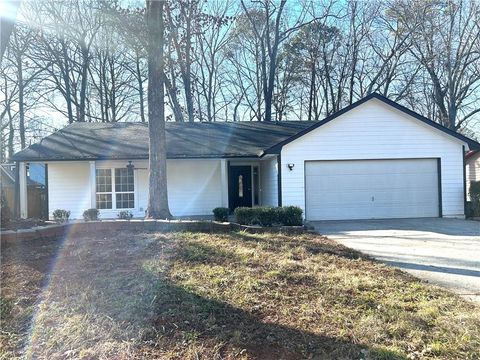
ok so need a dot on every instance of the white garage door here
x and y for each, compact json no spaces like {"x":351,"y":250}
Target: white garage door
{"x":371,"y":189}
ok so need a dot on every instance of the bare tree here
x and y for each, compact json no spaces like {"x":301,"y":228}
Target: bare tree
{"x":64,"y":50}
{"x":184,"y":22}
{"x":445,"y":38}
{"x":272,"y":32}
{"x":158,"y":194}
{"x":211,"y":41}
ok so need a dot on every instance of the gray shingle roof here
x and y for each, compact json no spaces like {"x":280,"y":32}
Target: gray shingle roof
{"x":93,"y":141}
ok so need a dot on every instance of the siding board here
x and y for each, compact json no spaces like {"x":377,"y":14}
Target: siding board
{"x":269,"y":181}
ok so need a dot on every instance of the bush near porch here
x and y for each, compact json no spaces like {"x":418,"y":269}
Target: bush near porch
{"x":184,"y":295}
{"x":268,"y":216}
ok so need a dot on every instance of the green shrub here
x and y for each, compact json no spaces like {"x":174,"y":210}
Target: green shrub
{"x":5,"y":210}
{"x":221,"y":214}
{"x":244,"y":215}
{"x":475,"y":197}
{"x":125,"y":215}
{"x":90,"y":215}
{"x":290,"y":216}
{"x":61,"y":215}
{"x":268,"y":216}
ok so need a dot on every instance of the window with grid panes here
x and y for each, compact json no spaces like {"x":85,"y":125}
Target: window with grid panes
{"x":124,"y":188}
{"x":104,"y":188}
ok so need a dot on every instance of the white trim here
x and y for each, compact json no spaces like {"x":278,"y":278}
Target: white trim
{"x":93,"y":185}
{"x":22,"y":183}
{"x":224,"y":182}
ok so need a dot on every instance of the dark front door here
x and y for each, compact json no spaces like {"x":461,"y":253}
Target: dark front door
{"x":240,"y":187}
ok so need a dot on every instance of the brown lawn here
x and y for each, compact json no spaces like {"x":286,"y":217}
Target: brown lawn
{"x":221,"y":296}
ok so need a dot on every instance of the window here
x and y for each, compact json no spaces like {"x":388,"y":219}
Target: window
{"x":240,"y":186}
{"x":124,"y":188}
{"x":104,"y":201}
{"x":104,"y":188}
{"x":123,"y":180}
{"x":125,"y":201}
{"x":115,"y":192}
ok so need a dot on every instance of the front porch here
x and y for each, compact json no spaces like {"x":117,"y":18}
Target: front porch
{"x":195,"y":186}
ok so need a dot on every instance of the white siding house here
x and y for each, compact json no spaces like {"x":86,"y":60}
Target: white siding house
{"x":373,"y":159}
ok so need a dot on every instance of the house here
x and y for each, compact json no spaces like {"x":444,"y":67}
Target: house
{"x":373,"y":159}
{"x":472,"y":160}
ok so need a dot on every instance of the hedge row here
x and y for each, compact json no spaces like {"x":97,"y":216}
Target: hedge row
{"x":268,"y":216}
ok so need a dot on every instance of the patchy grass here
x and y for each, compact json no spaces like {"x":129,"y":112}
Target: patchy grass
{"x":221,"y":296}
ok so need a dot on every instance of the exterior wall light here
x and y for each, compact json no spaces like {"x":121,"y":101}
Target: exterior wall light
{"x":290,"y":166}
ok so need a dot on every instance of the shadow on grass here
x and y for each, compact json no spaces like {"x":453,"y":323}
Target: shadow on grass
{"x":182,"y":315}
{"x":314,"y":246}
{"x":114,"y":298}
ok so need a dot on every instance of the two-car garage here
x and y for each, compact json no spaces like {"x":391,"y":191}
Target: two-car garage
{"x":371,"y":189}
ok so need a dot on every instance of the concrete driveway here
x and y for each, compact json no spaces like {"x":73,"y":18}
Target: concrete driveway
{"x":445,"y":252}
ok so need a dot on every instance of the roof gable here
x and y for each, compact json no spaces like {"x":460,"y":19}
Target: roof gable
{"x":471,"y":143}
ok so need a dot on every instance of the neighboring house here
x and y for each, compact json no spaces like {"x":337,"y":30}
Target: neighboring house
{"x":373,"y":159}
{"x":472,"y":161}
{"x":7,"y":183}
{"x":36,"y":188}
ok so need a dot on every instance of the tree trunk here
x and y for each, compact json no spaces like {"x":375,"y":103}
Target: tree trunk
{"x":140,"y":87}
{"x":172,"y":95}
{"x":188,"y":71}
{"x":158,"y":194}
{"x":66,"y":80}
{"x":311,"y":94}
{"x":10,"y":135}
{"x":21,"y":101}
{"x":83,"y":85}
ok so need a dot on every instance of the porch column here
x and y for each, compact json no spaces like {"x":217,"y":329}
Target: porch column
{"x":22,"y":185}
{"x":93,"y":185}
{"x":224,"y":181}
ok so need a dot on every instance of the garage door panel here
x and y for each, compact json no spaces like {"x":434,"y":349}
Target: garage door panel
{"x":365,"y":189}
{"x":363,"y":182}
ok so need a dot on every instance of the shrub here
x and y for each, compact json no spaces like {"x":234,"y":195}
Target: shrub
{"x":5,"y":210}
{"x":290,"y":216}
{"x":61,"y":215}
{"x":244,"y":215}
{"x":90,"y":215}
{"x":125,"y":215}
{"x":475,"y":197}
{"x":221,"y":214}
{"x":268,"y":216}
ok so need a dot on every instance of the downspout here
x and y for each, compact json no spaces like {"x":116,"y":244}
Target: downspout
{"x":279,"y":178}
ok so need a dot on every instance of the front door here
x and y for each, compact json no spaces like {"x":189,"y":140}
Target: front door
{"x":240,"y":187}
